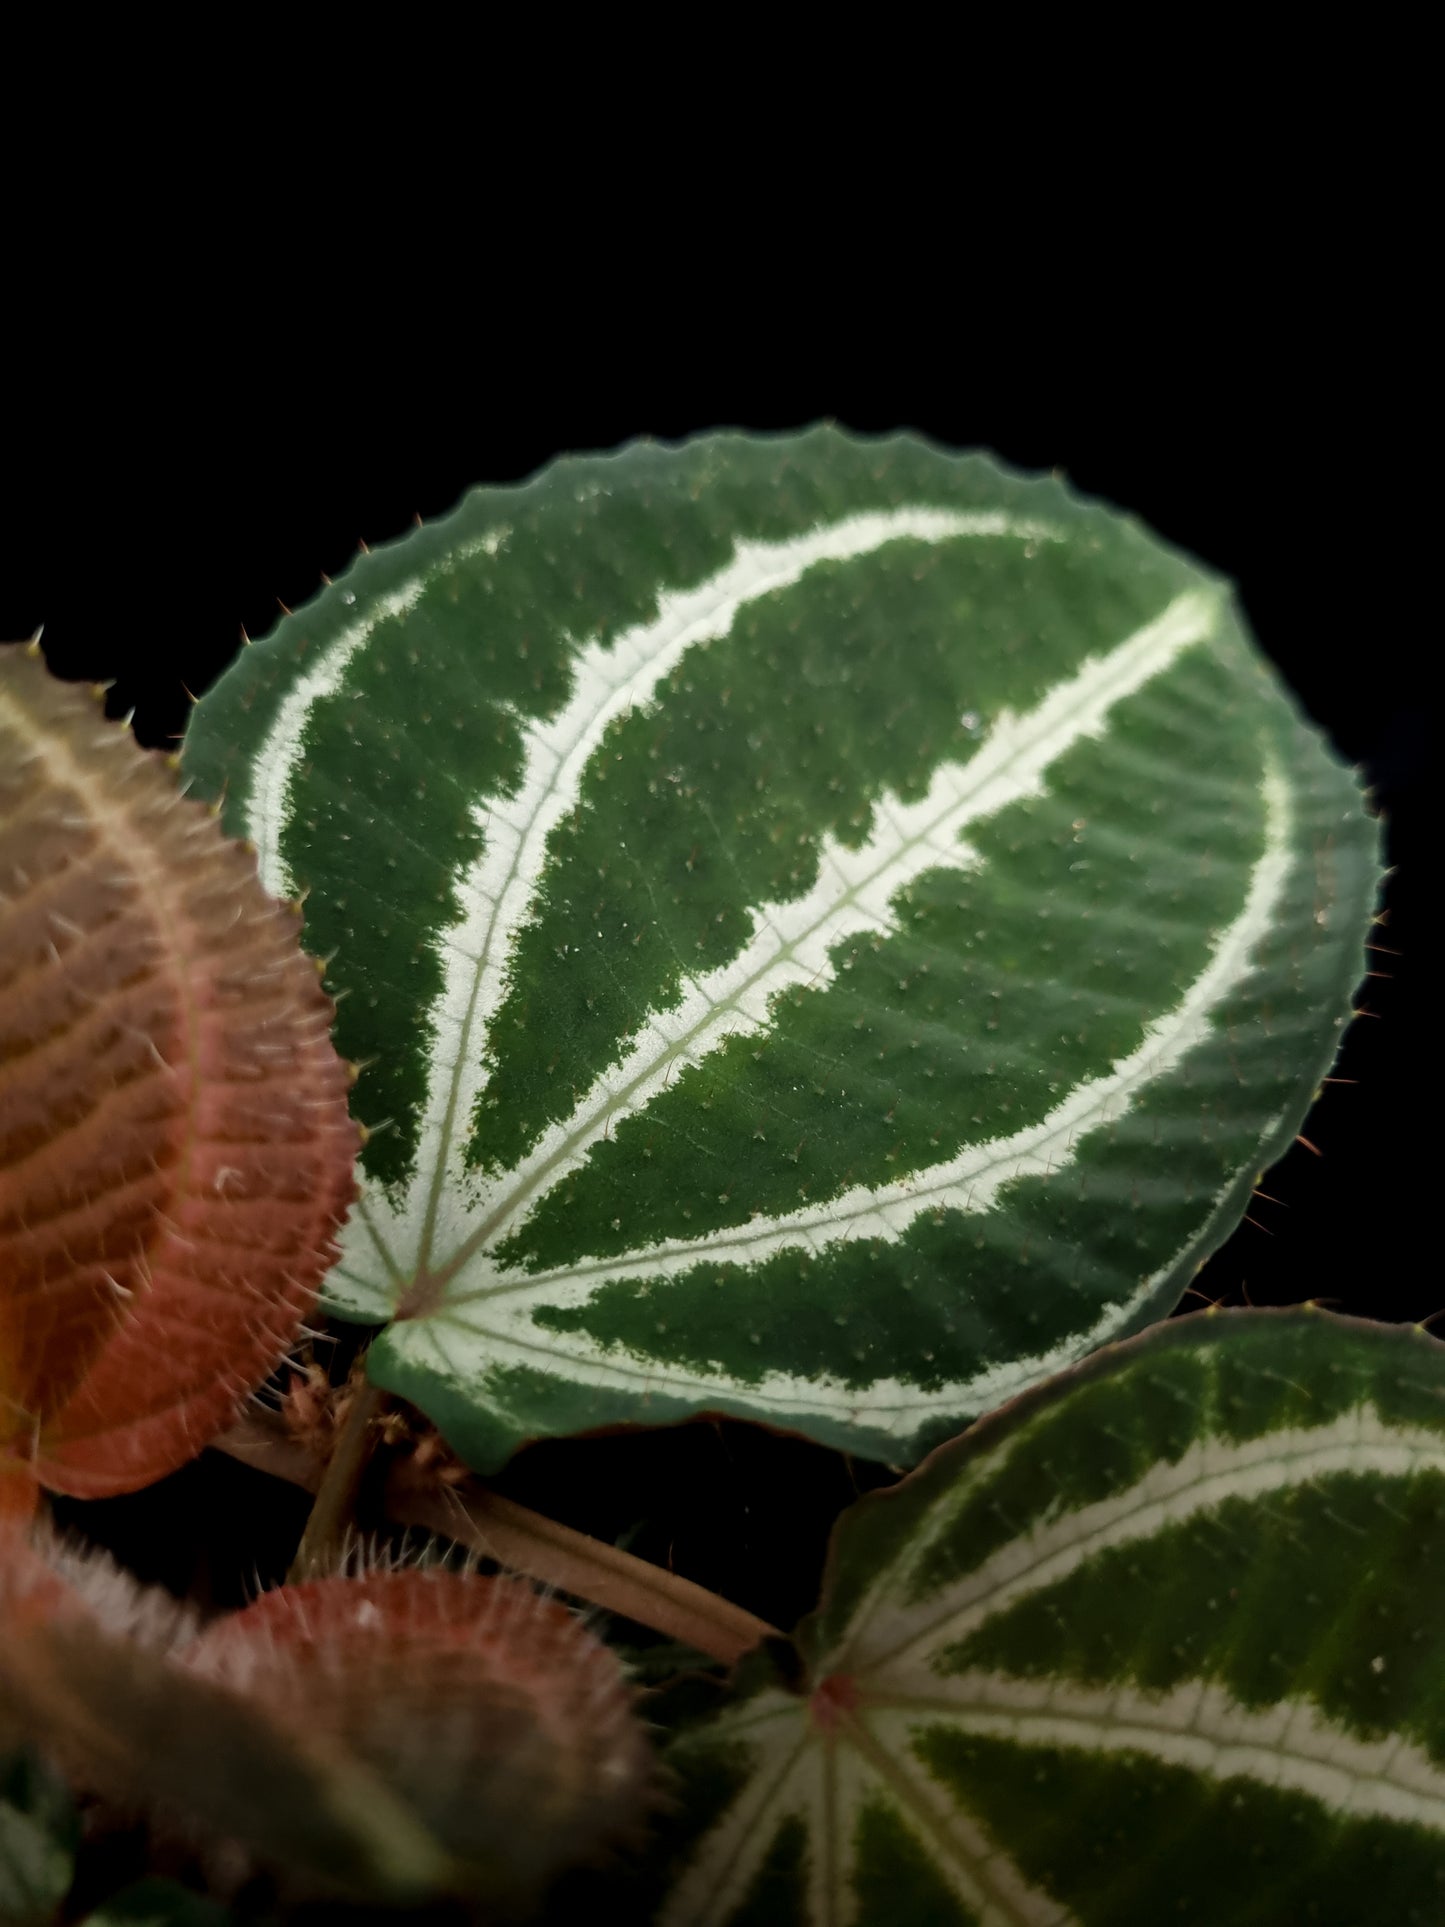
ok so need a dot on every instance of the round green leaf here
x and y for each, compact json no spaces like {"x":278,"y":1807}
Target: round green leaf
{"x":1160,"y":1641}
{"x":833,"y":931}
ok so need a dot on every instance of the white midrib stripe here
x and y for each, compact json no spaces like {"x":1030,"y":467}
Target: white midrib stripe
{"x":501,"y":888}
{"x":1209,"y":1472}
{"x":486,"y":1332}
{"x":476,"y":1334}
{"x":274,"y":767}
{"x":990,"y":1883}
{"x":972,"y":1178}
{"x":715,"y":1882}
{"x":498,"y":891}
{"x":797,"y":1772}
{"x":1197,"y":1726}
{"x":792,"y":941}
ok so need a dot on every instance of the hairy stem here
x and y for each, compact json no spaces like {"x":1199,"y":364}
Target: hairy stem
{"x":618,"y":1581}
{"x":471,"y":1515}
{"x":321,"y":1542}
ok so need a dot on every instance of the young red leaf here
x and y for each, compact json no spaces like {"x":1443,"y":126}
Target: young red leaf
{"x":87,"y":1673}
{"x":492,"y":1713}
{"x":175,"y":1150}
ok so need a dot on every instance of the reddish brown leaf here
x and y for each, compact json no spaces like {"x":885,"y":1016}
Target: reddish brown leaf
{"x":493,"y":1713}
{"x":86,"y":1673}
{"x":377,"y":1736}
{"x":175,"y":1151}
{"x":19,"y":1495}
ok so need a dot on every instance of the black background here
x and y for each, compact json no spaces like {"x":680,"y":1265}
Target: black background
{"x":170,"y":476}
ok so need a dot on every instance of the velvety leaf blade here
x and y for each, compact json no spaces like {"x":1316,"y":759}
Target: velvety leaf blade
{"x":383,"y":1736}
{"x":835,"y":930}
{"x":39,"y":1829}
{"x":158,"y":1903}
{"x":494,"y":1714}
{"x":132,"y":1725}
{"x":175,"y":1153}
{"x":1160,"y":1640}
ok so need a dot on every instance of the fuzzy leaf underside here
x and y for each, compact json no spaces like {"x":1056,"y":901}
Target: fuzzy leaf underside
{"x":1158,"y":1642}
{"x":175,"y":1149}
{"x":385,"y":1736}
{"x":129,"y":1724}
{"x":833,"y":931}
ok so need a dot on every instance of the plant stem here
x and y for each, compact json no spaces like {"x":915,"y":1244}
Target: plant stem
{"x":321,"y":1542}
{"x":471,"y":1515}
{"x":575,"y":1563}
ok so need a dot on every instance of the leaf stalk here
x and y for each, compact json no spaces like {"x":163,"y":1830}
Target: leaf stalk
{"x":471,"y":1515}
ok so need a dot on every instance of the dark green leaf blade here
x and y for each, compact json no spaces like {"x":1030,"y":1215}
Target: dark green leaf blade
{"x":39,"y":1832}
{"x":835,"y":930}
{"x":158,"y":1903}
{"x":1160,"y":1640}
